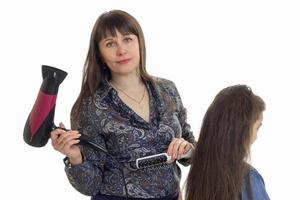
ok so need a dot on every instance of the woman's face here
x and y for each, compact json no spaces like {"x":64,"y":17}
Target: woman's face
{"x":257,"y":124}
{"x":121,"y":53}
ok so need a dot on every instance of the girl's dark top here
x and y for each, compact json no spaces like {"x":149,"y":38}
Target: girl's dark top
{"x":253,"y":187}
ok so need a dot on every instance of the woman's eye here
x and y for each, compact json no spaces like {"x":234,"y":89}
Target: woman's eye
{"x":128,"y":39}
{"x":109,"y":44}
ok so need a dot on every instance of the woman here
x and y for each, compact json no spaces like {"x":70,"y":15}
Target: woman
{"x":219,"y":169}
{"x":128,"y":113}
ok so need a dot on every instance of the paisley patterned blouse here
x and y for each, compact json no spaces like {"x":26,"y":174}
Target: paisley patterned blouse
{"x":126,"y":136}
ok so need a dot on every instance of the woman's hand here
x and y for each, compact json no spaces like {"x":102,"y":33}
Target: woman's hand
{"x":65,"y":142}
{"x":178,"y":147}
{"x":180,"y":195}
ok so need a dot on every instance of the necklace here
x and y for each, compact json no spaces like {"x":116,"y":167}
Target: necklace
{"x":133,"y":99}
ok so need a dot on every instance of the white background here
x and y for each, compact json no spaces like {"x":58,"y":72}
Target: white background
{"x":203,"y":46}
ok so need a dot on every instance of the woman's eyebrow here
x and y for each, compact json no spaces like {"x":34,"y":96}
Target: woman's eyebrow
{"x":107,"y":39}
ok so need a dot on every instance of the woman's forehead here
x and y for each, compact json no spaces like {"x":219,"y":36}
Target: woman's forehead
{"x":113,"y":32}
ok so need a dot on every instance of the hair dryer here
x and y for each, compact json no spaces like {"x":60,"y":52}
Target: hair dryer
{"x":40,"y":121}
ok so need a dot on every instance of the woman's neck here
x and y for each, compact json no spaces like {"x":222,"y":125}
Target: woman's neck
{"x":127,"y":82}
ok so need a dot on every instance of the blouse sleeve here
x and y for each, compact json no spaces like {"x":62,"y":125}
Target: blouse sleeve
{"x":187,"y":134}
{"x":87,"y":176}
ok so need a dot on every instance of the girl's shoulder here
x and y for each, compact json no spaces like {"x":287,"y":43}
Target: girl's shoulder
{"x":257,"y":185}
{"x":255,"y":175}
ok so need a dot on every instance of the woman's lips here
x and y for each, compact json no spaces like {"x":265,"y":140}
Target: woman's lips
{"x":124,"y":61}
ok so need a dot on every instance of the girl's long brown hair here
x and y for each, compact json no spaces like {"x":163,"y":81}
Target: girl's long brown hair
{"x":94,"y":68}
{"x":218,"y":165}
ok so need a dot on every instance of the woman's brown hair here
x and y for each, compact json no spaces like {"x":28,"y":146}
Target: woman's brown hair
{"x":95,"y":70}
{"x":218,"y":165}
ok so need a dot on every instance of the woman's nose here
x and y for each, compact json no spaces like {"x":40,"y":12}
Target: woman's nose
{"x":121,"y":50}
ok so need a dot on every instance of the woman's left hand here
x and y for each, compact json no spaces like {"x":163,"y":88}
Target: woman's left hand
{"x":178,"y":147}
{"x":180,"y":195}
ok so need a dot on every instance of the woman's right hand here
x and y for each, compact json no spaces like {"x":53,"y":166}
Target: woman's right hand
{"x":65,"y":142}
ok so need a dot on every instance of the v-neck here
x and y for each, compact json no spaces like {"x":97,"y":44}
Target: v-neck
{"x":125,"y":109}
